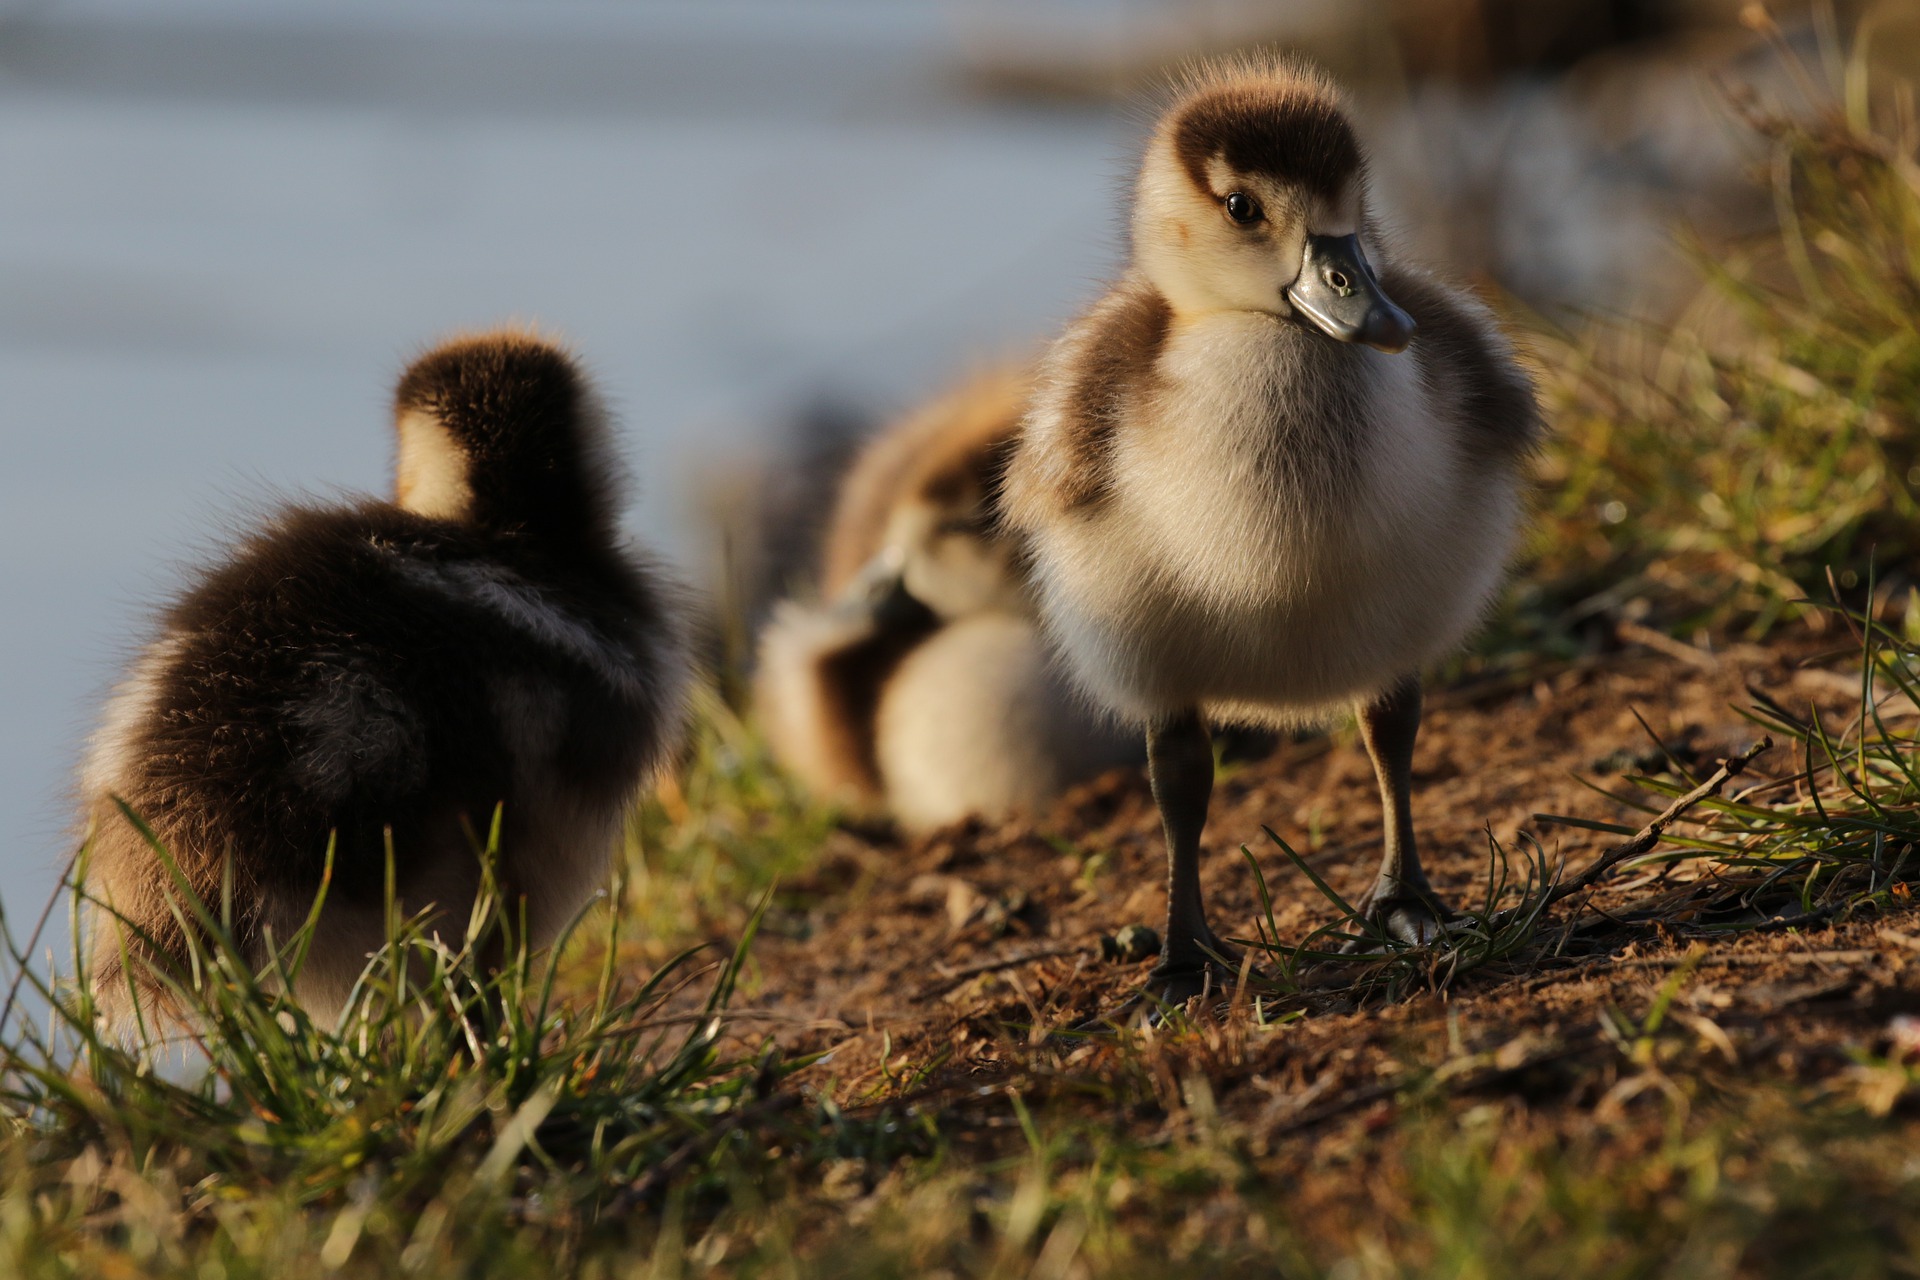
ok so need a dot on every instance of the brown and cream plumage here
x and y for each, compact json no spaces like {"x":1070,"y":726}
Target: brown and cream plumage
{"x":919,"y":686}
{"x":1263,"y":478}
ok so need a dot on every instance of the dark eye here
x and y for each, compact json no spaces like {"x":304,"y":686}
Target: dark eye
{"x":1243,"y":208}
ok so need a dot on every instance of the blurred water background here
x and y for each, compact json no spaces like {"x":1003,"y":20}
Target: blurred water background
{"x":226,"y":224}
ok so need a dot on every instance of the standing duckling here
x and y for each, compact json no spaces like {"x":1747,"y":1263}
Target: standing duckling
{"x":394,"y":667}
{"x":1264,"y":479}
{"x":921,"y":687}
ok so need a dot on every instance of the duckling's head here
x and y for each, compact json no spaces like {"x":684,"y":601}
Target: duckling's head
{"x":504,"y":431}
{"x":1252,"y":197}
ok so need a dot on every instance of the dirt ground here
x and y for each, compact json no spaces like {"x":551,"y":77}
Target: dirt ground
{"x":955,"y":966}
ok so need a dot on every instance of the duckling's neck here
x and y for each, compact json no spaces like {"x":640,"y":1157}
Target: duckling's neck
{"x":553,"y":491}
{"x":1256,"y":366}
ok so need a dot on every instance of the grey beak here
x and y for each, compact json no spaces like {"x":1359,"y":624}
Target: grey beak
{"x":1338,"y":294}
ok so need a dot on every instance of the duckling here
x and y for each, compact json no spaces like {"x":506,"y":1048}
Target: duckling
{"x":921,"y":687}
{"x":393,"y":671}
{"x":1272,"y":473}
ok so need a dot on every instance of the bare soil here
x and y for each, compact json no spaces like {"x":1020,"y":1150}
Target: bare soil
{"x":953,"y":968}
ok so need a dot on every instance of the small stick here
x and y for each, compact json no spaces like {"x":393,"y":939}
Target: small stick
{"x":952,"y":978}
{"x":1768,"y":958}
{"x":1661,"y":642}
{"x":1644,"y":840}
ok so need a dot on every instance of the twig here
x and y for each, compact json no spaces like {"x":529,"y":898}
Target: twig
{"x":952,"y":978}
{"x":1487,"y":688}
{"x":1661,"y":642}
{"x":1644,"y":840}
{"x":1764,"y":959}
{"x":752,"y":1015}
{"x":1340,"y":1106}
{"x":1779,"y":924}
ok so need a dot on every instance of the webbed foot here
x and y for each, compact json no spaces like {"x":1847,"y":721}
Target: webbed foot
{"x":1400,"y":913}
{"x":1174,"y":983}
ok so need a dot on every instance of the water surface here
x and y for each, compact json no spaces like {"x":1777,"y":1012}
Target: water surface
{"x":224,"y":228}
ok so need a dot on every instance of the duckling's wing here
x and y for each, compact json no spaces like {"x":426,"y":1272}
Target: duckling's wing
{"x":1092,"y":378}
{"x":1469,"y":365}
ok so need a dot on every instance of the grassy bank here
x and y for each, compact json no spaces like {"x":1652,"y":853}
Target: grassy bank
{"x":1705,"y":1066}
{"x":1705,"y":477}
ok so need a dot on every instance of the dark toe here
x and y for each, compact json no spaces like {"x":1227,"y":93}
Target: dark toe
{"x":1412,"y":921}
{"x":1168,"y":990}
{"x":1416,"y":922}
{"x":1178,"y":987}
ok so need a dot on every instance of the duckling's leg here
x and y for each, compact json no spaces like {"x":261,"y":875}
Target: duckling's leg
{"x":1401,"y":902}
{"x":1180,"y":766}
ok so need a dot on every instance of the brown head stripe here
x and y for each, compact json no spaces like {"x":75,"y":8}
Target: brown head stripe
{"x":1287,"y":133}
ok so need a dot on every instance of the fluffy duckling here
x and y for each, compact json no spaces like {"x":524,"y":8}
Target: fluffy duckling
{"x":394,"y":667}
{"x":1272,"y":473}
{"x":921,"y":687}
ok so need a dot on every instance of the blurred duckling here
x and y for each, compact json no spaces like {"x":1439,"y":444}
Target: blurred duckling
{"x":920,"y":687}
{"x":1272,"y":473}
{"x":394,"y":668}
